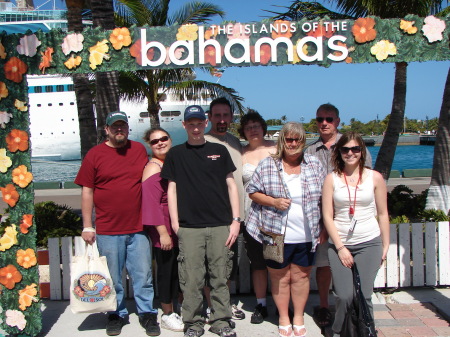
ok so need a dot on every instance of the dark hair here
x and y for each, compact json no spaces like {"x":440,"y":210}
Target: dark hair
{"x":150,"y":131}
{"x":336,"y":158}
{"x":219,"y":100}
{"x":252,"y":116}
{"x":328,"y":107}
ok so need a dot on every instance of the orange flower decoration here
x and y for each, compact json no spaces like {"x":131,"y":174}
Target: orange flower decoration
{"x":21,"y":176}
{"x":363,"y":30}
{"x":265,"y":53}
{"x":3,"y":90}
{"x":27,"y":296}
{"x":283,"y":27}
{"x":17,"y":140}
{"x":73,"y":62}
{"x":321,"y":31}
{"x":135,"y":51}
{"x":26,"y":258}
{"x":27,"y":222}
{"x":15,"y":68}
{"x":120,"y":37}
{"x":10,"y":195}
{"x":9,"y":276}
{"x":46,"y":59}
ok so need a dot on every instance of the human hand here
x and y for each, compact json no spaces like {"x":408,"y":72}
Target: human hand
{"x":88,"y":237}
{"x":234,"y":232}
{"x":282,"y":204}
{"x":384,"y":255}
{"x":166,"y":242}
{"x":346,"y":257}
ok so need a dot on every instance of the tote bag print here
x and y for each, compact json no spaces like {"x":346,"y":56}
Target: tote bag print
{"x":91,"y":284}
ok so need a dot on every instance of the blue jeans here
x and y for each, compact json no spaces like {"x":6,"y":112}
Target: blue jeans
{"x":133,"y":251}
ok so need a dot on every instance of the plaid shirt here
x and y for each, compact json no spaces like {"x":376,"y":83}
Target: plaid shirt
{"x":266,"y":180}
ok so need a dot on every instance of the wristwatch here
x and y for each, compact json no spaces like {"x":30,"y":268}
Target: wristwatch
{"x":238,"y":219}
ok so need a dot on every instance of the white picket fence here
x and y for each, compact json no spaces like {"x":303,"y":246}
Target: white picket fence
{"x":419,"y":255}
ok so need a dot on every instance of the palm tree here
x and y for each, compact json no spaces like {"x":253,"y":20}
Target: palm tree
{"x":383,"y":9}
{"x":153,"y":83}
{"x":439,"y":192}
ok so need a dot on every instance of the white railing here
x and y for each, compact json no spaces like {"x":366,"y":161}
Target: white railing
{"x":419,"y":255}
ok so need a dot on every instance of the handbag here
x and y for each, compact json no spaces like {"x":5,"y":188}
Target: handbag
{"x":91,"y":286}
{"x":358,"y":321}
{"x":273,"y":248}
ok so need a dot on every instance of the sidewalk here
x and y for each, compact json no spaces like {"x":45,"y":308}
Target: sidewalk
{"x":412,"y":312}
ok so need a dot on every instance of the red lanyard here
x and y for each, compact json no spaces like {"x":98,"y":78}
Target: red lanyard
{"x":352,"y":209}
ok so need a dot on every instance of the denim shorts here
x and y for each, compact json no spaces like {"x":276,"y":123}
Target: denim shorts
{"x":296,"y":253}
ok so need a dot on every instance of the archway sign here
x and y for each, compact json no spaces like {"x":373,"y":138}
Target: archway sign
{"x":321,"y":42}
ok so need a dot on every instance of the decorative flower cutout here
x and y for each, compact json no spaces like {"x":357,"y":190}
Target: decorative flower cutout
{"x":135,"y":51}
{"x":22,"y":106}
{"x":27,"y":222}
{"x":17,"y":140}
{"x":238,"y":32}
{"x":72,"y":43}
{"x":120,"y":37}
{"x":321,"y":30}
{"x":28,"y":45}
{"x":26,"y":258}
{"x":98,"y":53}
{"x":297,"y":57}
{"x":408,"y":27}
{"x":433,"y":28}
{"x":15,"y":318}
{"x":5,"y":161}
{"x":15,"y":68}
{"x":211,"y":32}
{"x":382,"y":49}
{"x":5,"y":117}
{"x":363,"y":30}
{"x":265,"y":53}
{"x":27,"y":296}
{"x":46,"y":59}
{"x":10,"y":196}
{"x":3,"y":54}
{"x":9,"y":237}
{"x":3,"y":90}
{"x":210,"y":55}
{"x":73,"y":62}
{"x":9,"y":276}
{"x":187,"y":32}
{"x":21,"y":176}
{"x":178,"y":54}
{"x":283,"y":27}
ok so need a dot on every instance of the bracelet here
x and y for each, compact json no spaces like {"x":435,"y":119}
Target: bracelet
{"x":340,"y":248}
{"x":88,"y":230}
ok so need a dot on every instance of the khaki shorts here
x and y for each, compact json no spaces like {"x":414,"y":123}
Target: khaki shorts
{"x":322,"y":255}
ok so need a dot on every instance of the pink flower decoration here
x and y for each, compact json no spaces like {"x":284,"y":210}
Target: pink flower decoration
{"x":28,"y":45}
{"x":5,"y":117}
{"x":72,"y":43}
{"x":238,"y":32}
{"x":178,"y":53}
{"x":433,"y":28}
{"x":15,"y":318}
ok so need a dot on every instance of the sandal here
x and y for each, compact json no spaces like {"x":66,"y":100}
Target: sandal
{"x":297,"y":329}
{"x":322,"y":317}
{"x":287,"y":329}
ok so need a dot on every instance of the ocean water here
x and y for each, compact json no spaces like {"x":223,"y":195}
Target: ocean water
{"x":406,"y":157}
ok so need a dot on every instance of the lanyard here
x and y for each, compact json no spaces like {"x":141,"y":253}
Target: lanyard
{"x":352,"y":209}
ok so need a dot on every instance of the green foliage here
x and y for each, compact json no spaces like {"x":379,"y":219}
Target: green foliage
{"x":53,"y":220}
{"x":399,"y":219}
{"x":434,"y":215}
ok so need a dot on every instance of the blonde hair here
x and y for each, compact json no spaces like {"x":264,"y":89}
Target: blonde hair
{"x":294,"y":129}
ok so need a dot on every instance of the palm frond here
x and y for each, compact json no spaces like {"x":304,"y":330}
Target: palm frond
{"x":309,"y":10}
{"x":133,"y":85}
{"x":195,"y":12}
{"x":141,"y":12}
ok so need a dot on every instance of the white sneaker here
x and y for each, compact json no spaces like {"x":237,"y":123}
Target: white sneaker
{"x":172,"y":322}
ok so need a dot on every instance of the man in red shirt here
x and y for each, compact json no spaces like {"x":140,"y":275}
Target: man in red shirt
{"x":110,"y":176}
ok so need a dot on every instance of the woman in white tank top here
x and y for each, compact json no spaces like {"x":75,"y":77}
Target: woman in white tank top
{"x":354,"y":207}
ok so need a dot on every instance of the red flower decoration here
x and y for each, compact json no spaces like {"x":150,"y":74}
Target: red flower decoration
{"x":265,"y":53}
{"x":135,"y":51}
{"x":15,"y":68}
{"x":321,"y":31}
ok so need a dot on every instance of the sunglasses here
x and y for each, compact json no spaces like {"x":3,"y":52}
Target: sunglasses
{"x":321,"y":119}
{"x":291,"y":140}
{"x":156,"y":141}
{"x":354,"y":149}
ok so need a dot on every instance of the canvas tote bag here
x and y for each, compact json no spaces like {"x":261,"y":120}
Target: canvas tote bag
{"x":91,"y":286}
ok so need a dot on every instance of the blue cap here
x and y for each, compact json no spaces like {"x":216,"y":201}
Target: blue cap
{"x":194,"y":111}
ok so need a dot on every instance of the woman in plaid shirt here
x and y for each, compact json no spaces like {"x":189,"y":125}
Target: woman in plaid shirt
{"x":286,"y":191}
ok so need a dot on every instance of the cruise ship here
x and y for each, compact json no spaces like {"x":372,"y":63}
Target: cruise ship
{"x":54,"y":127}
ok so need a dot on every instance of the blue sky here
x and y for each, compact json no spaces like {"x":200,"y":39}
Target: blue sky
{"x":360,"y":91}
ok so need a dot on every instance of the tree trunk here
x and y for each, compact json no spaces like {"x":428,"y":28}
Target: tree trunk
{"x":439,"y":192}
{"x":107,"y":83}
{"x":153,"y":110}
{"x":386,"y":154}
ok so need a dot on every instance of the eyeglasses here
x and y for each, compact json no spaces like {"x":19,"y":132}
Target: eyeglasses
{"x":291,"y":140}
{"x":157,"y":140}
{"x":354,"y":149}
{"x":252,"y":127}
{"x":321,"y":119}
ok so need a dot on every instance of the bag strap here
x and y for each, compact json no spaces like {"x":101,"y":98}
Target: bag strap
{"x":361,"y":301}
{"x":284,"y":189}
{"x":91,"y":250}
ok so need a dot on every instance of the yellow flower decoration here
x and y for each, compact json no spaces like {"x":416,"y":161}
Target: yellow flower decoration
{"x":188,"y":32}
{"x":9,"y":238}
{"x":297,"y":58}
{"x":120,"y":37}
{"x":22,"y":106}
{"x":27,"y":295}
{"x":26,"y":258}
{"x":382,"y":49}
{"x":2,"y":52}
{"x":98,"y":53}
{"x":21,"y":176}
{"x":5,"y":161}
{"x":73,"y":62}
{"x":3,"y":90}
{"x":408,"y":27}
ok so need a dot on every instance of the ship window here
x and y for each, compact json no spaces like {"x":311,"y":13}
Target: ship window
{"x":41,"y":133}
{"x":50,"y":104}
{"x":38,"y":90}
{"x":62,"y":120}
{"x":70,"y":87}
{"x":170,"y":113}
{"x":62,"y":132}
{"x":73,"y":119}
{"x":144,"y":114}
{"x":59,"y":88}
{"x":49,"y":88}
{"x":61,"y":104}
{"x":72,"y":103}
{"x":39,"y":105}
